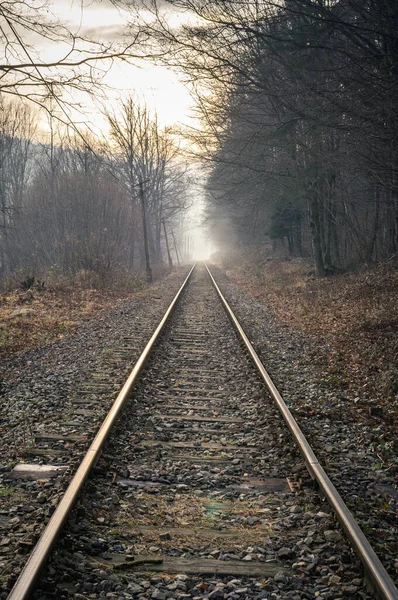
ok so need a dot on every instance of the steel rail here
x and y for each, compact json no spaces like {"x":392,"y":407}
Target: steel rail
{"x":26,"y":581}
{"x":383,"y":585}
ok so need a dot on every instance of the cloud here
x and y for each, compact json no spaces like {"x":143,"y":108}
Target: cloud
{"x":104,"y":33}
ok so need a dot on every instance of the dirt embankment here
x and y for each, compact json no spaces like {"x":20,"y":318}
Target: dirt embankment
{"x":356,"y":314}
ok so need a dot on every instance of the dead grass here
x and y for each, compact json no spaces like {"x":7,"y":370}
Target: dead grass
{"x":31,"y":318}
{"x":27,"y":321}
{"x":355,"y":313}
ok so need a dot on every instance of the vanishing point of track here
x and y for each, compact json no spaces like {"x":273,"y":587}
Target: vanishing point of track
{"x":191,"y":417}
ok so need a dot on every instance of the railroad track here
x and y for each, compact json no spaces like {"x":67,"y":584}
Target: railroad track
{"x":200,"y":490}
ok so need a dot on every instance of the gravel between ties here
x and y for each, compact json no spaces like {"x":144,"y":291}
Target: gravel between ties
{"x":151,"y":497}
{"x":41,"y":391}
{"x":345,"y":444}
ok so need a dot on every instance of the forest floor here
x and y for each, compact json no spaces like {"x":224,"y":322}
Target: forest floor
{"x":355,"y":314}
{"x":32,"y":317}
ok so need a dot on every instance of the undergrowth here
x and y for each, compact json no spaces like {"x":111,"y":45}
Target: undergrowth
{"x":36,"y":308}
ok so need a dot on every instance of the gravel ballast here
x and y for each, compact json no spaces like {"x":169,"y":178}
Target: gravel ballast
{"x":148,"y":499}
{"x":173,"y":487}
{"x":346,"y":443}
{"x":64,"y":388}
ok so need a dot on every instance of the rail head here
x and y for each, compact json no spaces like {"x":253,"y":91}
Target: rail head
{"x":383,"y":586}
{"x":27,"y":579}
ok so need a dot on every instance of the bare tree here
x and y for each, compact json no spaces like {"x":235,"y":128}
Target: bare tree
{"x":17,"y":128}
{"x":298,"y":102}
{"x":75,"y":220}
{"x":143,"y":156}
{"x":29,"y":27}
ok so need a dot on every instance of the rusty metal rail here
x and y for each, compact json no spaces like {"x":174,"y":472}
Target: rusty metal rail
{"x":30,"y":573}
{"x":382,"y":584}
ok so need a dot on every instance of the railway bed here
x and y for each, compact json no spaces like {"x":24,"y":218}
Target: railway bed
{"x":44,"y":393}
{"x":200,"y":490}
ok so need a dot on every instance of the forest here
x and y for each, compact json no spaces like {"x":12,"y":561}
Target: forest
{"x":296,"y":135}
{"x":73,"y":202}
{"x":299,"y":123}
{"x":198,"y":299}
{"x":71,"y":205}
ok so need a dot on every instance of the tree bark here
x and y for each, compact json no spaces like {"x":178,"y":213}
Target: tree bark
{"x":167,"y":245}
{"x":316,"y":236}
{"x":175,"y":248}
{"x":145,"y":232}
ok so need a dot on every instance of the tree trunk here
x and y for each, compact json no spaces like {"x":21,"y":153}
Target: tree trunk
{"x":316,"y":235}
{"x":145,"y":232}
{"x":157,"y":244}
{"x":167,"y":245}
{"x":372,"y":242}
{"x":175,"y":248}
{"x":297,"y":235}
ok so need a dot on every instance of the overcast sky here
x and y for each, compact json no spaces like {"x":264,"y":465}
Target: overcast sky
{"x":160,"y":87}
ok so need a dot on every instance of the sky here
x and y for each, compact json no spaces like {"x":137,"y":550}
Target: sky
{"x":158,"y":86}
